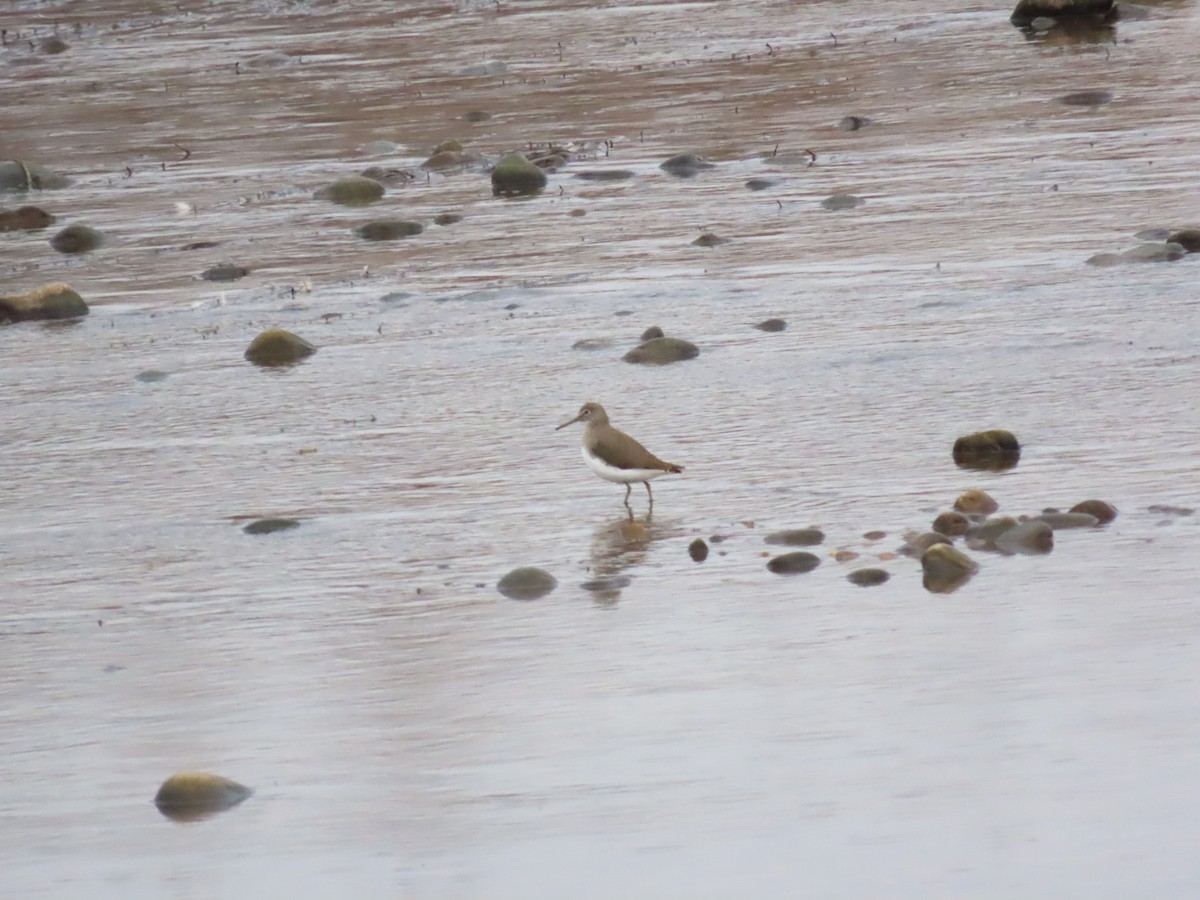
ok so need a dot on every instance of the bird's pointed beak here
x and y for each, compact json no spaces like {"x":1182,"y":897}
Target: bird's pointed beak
{"x":571,"y":422}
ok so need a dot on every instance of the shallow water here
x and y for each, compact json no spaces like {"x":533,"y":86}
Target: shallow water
{"x":704,"y":730}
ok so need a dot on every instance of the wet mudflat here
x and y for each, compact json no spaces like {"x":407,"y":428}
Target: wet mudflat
{"x":673,"y":728}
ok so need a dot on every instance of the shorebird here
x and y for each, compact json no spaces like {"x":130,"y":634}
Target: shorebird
{"x":614,"y":455}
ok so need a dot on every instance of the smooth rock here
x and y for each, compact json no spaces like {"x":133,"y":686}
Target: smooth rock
{"x":450,"y":144}
{"x":515,"y":176}
{"x":150,"y":376}
{"x":1187,"y":238}
{"x":18,"y":175}
{"x":352,"y":190}
{"x":193,"y":795}
{"x":225,"y":272}
{"x":952,"y":524}
{"x":651,"y":333}
{"x":796,"y":537}
{"x":445,"y":219}
{"x":1062,"y":520}
{"x":277,"y":347}
{"x":1104,"y":512}
{"x":917,"y":544}
{"x":761,"y":184}
{"x":794,"y":563}
{"x":976,"y":501}
{"x":1028,"y":10}
{"x":771,"y":325}
{"x":685,"y":165}
{"x":50,"y":301}
{"x":708,"y":239}
{"x":270,"y":526}
{"x":841,"y":201}
{"x":526,"y":583}
{"x":388,"y":230}
{"x":25,"y":218}
{"x":994,"y":450}
{"x":698,"y":550}
{"x":77,"y":239}
{"x":946,"y":569}
{"x":661,"y":351}
{"x":1029,"y":537}
{"x":868,"y":577}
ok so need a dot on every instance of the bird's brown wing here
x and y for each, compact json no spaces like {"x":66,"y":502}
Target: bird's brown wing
{"x":621,"y":451}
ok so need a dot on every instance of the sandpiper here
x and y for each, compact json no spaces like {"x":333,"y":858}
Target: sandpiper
{"x":614,"y":455}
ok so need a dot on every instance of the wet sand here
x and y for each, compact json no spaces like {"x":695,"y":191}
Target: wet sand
{"x":706,"y":730}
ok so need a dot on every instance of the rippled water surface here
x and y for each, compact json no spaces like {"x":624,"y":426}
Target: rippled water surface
{"x":697,"y":730}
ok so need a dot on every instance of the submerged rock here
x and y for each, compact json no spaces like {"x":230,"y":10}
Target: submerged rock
{"x":25,"y":218}
{"x":698,"y":550}
{"x":270,"y":526}
{"x":1142,"y":253}
{"x":50,"y":301}
{"x":984,"y":535}
{"x":1030,"y":537}
{"x":946,"y":569}
{"x":761,"y":184}
{"x":526,"y":583}
{"x":193,"y":795}
{"x":277,"y":347}
{"x":605,"y":174}
{"x":445,"y":219}
{"x":868,"y":577}
{"x":708,"y":239}
{"x":388,"y":230}
{"x":976,"y":501}
{"x":18,"y":175}
{"x":515,"y":176}
{"x":1086,"y":98}
{"x":794,"y":563}
{"x":771,"y":325}
{"x":685,"y":165}
{"x":661,"y":351}
{"x":224,"y":272}
{"x":1104,"y":512}
{"x":77,"y":239}
{"x":993,"y":450}
{"x":796,"y":537}
{"x":837,"y":202}
{"x":1028,"y":10}
{"x":1062,"y":520}
{"x":854,"y":123}
{"x":592,"y":344}
{"x":352,"y":190}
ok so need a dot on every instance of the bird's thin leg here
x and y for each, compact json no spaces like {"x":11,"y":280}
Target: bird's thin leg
{"x":628,"y":488}
{"x":650,"y":493}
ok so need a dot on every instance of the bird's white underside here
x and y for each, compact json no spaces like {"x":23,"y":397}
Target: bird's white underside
{"x":620,"y":476}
